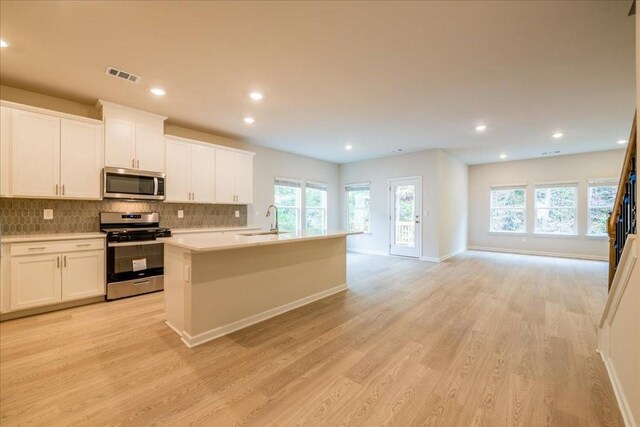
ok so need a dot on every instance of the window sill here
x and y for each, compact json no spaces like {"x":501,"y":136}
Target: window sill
{"x":598,"y":236}
{"x":508,"y":233}
{"x":559,"y":235}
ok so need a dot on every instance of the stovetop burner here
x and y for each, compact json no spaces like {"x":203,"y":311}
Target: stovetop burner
{"x":132,"y":226}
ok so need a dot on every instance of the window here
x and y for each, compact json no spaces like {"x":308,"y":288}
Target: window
{"x":287,"y":197}
{"x":358,"y":211}
{"x":556,"y":209}
{"x":508,"y":209}
{"x":602,"y":196}
{"x":315,"y":203}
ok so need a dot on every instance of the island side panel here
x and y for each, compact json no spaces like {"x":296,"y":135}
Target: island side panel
{"x":231,"y":289}
{"x":177,"y":265}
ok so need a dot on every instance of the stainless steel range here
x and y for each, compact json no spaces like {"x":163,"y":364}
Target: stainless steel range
{"x":135,"y":253}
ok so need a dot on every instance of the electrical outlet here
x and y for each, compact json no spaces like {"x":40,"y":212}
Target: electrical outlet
{"x":47,"y":213}
{"x":180,"y":213}
{"x":237,"y":214}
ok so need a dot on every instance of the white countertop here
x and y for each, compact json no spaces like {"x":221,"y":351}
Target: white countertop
{"x":211,"y":230}
{"x":50,"y":237}
{"x":206,"y":242}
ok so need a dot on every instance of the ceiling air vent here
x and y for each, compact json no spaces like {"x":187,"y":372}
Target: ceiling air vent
{"x":551,"y":153}
{"x":114,"y":72}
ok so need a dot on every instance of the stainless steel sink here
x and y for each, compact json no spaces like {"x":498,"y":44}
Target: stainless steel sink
{"x":264,"y":233}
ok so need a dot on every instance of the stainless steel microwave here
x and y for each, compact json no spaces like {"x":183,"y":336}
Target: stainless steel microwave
{"x":132,"y":184}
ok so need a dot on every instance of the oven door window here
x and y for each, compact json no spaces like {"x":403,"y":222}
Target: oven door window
{"x":129,"y":262}
{"x":130,"y":184}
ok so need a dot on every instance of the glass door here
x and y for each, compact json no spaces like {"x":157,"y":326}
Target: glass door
{"x":404,"y":217}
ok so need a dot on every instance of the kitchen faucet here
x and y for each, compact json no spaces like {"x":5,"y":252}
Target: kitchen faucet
{"x":269,"y":214}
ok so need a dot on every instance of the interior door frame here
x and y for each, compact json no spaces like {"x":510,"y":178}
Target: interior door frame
{"x":390,"y":198}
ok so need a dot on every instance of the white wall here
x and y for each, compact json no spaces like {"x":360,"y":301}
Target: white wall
{"x":580,"y":167}
{"x":453,"y":202}
{"x":434,"y":166}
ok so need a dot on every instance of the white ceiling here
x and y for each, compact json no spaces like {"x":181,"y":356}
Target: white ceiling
{"x":381,"y":76}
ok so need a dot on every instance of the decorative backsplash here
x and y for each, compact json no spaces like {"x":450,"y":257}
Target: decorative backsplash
{"x":25,"y":216}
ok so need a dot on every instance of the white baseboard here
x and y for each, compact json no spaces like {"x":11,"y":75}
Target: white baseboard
{"x":443,"y":258}
{"x":201,"y":338}
{"x":623,"y":403}
{"x":538,"y":253}
{"x":367,"y":251}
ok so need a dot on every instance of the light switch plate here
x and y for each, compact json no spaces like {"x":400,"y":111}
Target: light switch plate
{"x":237,"y":214}
{"x":47,"y":213}
{"x":180,"y":213}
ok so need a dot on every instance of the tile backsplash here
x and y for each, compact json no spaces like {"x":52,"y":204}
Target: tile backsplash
{"x":25,"y":216}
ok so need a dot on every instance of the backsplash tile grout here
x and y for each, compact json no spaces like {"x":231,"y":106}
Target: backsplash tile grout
{"x":25,"y":216}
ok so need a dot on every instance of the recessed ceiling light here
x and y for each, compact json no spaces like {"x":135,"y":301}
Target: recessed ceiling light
{"x":4,"y":43}
{"x":503,"y":156}
{"x":481,"y":128}
{"x":622,"y":141}
{"x":558,"y":135}
{"x":256,"y":96}
{"x":158,"y":92}
{"x":348,"y":147}
{"x":249,"y":120}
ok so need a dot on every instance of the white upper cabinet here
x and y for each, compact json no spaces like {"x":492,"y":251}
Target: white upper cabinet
{"x":177,"y":184}
{"x":202,"y":173}
{"x":225,"y":176}
{"x":244,"y":178}
{"x":121,"y":150}
{"x":133,"y":139}
{"x":47,"y":154}
{"x":234,"y":177}
{"x":35,"y":160}
{"x":80,"y":160}
{"x":190,"y":171}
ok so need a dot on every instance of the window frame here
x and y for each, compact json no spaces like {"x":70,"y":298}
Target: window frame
{"x":492,"y":208}
{"x":320,"y":186}
{"x":604,"y":182}
{"x":355,"y":187}
{"x":296,"y":183}
{"x":552,"y":185}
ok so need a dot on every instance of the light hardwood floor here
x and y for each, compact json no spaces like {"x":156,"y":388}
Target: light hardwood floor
{"x":482,"y":339}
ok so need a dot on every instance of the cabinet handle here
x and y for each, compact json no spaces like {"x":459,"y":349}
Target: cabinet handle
{"x":63,"y":189}
{"x":193,"y":195}
{"x":141,"y":282}
{"x":56,"y":189}
{"x":83,"y":244}
{"x":138,"y":163}
{"x":37,"y":248}
{"x":58,"y":261}
{"x":65,"y":260}
{"x":133,"y":163}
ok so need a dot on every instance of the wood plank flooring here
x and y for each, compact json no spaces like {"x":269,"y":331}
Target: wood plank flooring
{"x":482,"y":339}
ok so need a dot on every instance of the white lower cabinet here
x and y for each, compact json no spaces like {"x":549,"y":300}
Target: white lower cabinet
{"x":54,"y":275}
{"x":82,"y":274}
{"x":35,"y":280}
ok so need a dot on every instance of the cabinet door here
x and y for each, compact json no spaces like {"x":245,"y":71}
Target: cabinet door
{"x":35,"y":146}
{"x":149,"y":147}
{"x":225,"y":176}
{"x":82,"y":274}
{"x":120,"y":142}
{"x":80,"y":159}
{"x":177,"y":187}
{"x":202,"y":173}
{"x":244,"y":178}
{"x":35,"y":280}
{"x":5,"y":161}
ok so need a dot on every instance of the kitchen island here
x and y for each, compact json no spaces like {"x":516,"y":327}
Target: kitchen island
{"x":215,"y":284}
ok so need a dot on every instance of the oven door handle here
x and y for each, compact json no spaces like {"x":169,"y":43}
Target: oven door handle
{"x":141,"y":282}
{"x":143,"y":242}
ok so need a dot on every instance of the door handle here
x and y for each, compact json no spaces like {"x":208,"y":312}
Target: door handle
{"x":65,"y":260}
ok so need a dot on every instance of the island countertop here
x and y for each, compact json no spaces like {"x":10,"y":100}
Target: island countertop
{"x":206,"y":242}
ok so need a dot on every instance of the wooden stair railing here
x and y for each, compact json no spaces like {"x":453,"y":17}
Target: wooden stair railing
{"x":623,"y":219}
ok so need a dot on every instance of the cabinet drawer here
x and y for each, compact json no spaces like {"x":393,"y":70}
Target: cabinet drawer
{"x":35,"y":248}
